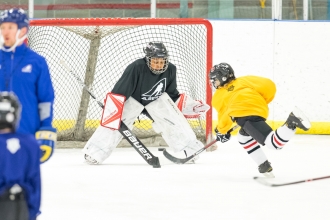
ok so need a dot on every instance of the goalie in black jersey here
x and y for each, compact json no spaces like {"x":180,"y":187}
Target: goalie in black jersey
{"x":149,"y":86}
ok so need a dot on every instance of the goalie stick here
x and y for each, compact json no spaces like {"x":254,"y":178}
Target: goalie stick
{"x":184,"y":160}
{"x":263,"y":181}
{"x":123,"y":129}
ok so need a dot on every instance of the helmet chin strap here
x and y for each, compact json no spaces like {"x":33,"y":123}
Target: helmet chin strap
{"x":17,"y":42}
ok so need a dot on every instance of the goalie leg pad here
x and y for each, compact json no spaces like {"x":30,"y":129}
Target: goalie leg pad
{"x":259,"y":130}
{"x":104,"y":140}
{"x":132,"y":109}
{"x":170,"y":122}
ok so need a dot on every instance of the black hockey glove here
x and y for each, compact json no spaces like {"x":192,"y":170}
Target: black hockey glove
{"x":222,"y":137}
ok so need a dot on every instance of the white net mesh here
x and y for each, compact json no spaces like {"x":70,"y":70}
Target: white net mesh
{"x":99,"y":53}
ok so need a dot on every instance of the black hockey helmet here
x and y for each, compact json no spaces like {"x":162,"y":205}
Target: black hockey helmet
{"x":10,"y":110}
{"x":222,"y":72}
{"x":156,"y":50}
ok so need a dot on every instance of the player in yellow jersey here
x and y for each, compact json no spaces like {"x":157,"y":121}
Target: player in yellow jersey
{"x":245,"y":100}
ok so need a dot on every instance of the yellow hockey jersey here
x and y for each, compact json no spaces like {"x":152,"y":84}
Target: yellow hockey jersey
{"x":244,"y":96}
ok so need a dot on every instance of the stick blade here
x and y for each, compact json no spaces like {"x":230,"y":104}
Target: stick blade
{"x":262,"y":180}
{"x":155,"y":162}
{"x":176,"y":160}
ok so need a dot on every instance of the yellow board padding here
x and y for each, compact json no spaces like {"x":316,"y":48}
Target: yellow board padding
{"x":317,"y":127}
{"x":62,"y":125}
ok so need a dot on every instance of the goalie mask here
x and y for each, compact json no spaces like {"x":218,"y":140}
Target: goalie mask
{"x":223,"y":73}
{"x":156,"y":57}
{"x":10,"y":110}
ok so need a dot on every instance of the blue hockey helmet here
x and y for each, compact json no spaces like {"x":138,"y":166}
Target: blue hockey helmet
{"x":15,"y":15}
{"x":222,"y":72}
{"x":10,"y":110}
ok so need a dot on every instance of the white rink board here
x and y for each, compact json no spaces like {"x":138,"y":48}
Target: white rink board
{"x":301,"y":67}
{"x":293,"y":54}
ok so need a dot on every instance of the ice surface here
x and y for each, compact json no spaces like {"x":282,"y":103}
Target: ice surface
{"x":219,"y":186}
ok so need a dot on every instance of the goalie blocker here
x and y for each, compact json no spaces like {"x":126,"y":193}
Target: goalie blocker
{"x":112,"y":111}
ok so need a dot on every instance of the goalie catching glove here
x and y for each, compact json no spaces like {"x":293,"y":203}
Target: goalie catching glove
{"x":191,"y":108}
{"x":222,"y":137}
{"x":46,"y":138}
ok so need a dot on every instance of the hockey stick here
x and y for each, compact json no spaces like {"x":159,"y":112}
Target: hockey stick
{"x":182,"y":161}
{"x":123,"y":129}
{"x":263,"y":181}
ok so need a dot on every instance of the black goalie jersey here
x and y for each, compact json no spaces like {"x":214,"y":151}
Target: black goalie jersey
{"x":144,"y":86}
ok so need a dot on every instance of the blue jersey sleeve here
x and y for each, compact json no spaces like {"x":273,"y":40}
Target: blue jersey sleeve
{"x":45,"y":94}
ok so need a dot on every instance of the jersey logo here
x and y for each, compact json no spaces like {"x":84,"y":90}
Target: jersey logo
{"x":231,"y":88}
{"x":157,"y":90}
{"x":13,"y":145}
{"x":27,"y":69}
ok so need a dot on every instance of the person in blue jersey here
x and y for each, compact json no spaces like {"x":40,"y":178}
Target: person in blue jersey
{"x":20,"y":187}
{"x":26,"y":73}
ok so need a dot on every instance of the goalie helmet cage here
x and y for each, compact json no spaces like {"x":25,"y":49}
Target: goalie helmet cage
{"x":99,"y":50}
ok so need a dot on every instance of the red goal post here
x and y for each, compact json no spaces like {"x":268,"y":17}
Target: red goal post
{"x":99,"y":49}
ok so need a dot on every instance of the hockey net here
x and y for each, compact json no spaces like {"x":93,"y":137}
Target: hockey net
{"x":99,"y":50}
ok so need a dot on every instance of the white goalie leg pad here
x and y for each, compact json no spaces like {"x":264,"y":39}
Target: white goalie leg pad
{"x":173,"y":126}
{"x":104,"y":140}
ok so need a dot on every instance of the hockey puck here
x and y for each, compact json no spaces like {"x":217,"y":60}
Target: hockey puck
{"x":161,"y":149}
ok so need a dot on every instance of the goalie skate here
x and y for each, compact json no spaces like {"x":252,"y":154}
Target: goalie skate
{"x":298,"y":119}
{"x":90,"y":160}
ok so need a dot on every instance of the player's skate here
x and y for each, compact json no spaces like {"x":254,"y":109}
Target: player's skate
{"x":266,"y":169}
{"x":297,"y":119}
{"x":193,"y":160}
{"x":192,"y":148}
{"x":90,"y":160}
